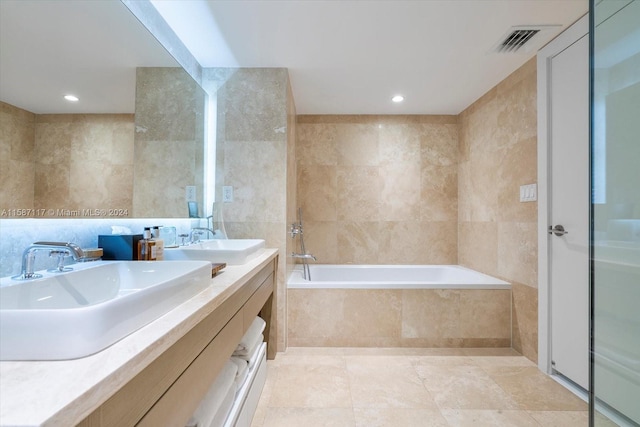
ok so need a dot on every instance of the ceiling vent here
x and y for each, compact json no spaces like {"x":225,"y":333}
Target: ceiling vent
{"x":523,"y":38}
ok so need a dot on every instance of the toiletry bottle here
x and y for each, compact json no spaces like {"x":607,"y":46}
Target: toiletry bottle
{"x":151,"y":246}
{"x":155,"y":234}
{"x":143,"y":244}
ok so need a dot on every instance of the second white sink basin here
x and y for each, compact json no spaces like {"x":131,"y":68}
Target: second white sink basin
{"x":230,"y":251}
{"x":78,"y":313}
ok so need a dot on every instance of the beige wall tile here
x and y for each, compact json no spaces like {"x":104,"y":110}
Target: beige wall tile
{"x":322,"y":238}
{"x":358,"y":193}
{"x":358,"y":242}
{"x":357,"y":144}
{"x":485,"y":313}
{"x":316,"y":144}
{"x":431,"y":313}
{"x":438,"y":243}
{"x":439,"y":193}
{"x":497,"y":233}
{"x":399,"y":193}
{"x":321,"y":203}
{"x":518,"y":252}
{"x":374,"y":313}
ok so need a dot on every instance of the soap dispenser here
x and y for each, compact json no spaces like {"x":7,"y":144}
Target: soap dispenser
{"x":146,"y":246}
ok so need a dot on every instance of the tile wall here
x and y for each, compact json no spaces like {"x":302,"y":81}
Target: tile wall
{"x":379,"y":189}
{"x":497,"y":234}
{"x":399,"y":318}
{"x":255,"y":129}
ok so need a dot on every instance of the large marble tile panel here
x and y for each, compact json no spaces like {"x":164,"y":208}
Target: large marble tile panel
{"x":18,"y":181}
{"x":53,"y":142}
{"x":439,"y":242}
{"x":533,"y":390}
{"x":399,"y":193}
{"x":321,"y":240}
{"x":465,"y":192}
{"x":484,"y":190}
{"x":311,"y":386}
{"x":478,"y":246}
{"x":517,"y":114}
{"x":401,"y":242}
{"x":317,"y":192}
{"x":386,"y":382}
{"x":487,"y":417}
{"x":357,"y":144}
{"x":439,"y":144}
{"x":485,"y":313}
{"x":309,"y":417}
{"x":430,"y":313}
{"x":481,"y":122}
{"x":439,"y":193}
{"x":358,"y":193}
{"x":399,"y":144}
{"x":518,"y":167}
{"x":525,"y":320}
{"x":464,"y":387}
{"x":518,"y":252}
{"x":259,"y":187}
{"x":51,"y":193}
{"x":316,"y":144}
{"x":563,"y":418}
{"x":315,"y":313}
{"x":394,"y":417}
{"x":358,"y":242}
{"x":372,"y":313}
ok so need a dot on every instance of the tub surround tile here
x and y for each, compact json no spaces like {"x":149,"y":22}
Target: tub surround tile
{"x":439,"y":193}
{"x":473,"y":321}
{"x":316,"y":144}
{"x":399,"y":193}
{"x":478,"y":246}
{"x":439,"y":242}
{"x":358,"y":242}
{"x":358,"y":193}
{"x":322,"y":236}
{"x":431,"y":313}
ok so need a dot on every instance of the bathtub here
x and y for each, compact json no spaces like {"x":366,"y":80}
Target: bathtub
{"x":397,"y":306}
{"x":326,"y":276}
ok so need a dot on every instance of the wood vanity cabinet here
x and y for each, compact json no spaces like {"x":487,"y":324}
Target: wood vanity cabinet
{"x":168,"y":391}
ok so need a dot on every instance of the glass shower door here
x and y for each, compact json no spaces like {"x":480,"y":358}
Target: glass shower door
{"x":615,"y":213}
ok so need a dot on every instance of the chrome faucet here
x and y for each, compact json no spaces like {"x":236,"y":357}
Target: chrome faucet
{"x":29,"y":256}
{"x":303,"y":256}
{"x":196,"y":232}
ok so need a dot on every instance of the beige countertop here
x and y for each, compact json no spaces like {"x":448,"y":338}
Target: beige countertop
{"x":65,"y":392}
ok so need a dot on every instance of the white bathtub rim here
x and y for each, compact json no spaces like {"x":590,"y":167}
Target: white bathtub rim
{"x":296,"y":280}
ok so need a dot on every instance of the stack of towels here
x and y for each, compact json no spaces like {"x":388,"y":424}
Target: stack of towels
{"x":218,"y":401}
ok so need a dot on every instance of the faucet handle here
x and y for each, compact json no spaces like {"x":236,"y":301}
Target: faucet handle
{"x":61,"y":256}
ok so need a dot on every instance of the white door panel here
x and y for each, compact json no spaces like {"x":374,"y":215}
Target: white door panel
{"x":569,"y":207}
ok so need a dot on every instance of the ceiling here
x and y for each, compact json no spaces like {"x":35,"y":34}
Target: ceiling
{"x":87,"y":48}
{"x":351,"y":57}
{"x":343,"y":56}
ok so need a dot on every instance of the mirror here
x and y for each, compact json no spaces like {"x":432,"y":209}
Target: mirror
{"x":132,"y":146}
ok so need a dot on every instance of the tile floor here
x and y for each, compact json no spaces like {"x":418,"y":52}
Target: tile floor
{"x":399,"y":387}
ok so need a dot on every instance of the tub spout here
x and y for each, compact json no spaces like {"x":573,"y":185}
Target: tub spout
{"x":303,"y":256}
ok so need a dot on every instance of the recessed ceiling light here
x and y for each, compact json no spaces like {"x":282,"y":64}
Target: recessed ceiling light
{"x":71,"y":98}
{"x":398,"y":98}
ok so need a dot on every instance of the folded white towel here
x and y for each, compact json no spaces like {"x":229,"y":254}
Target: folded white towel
{"x":243,"y":371}
{"x":250,"y":337}
{"x":224,"y":409}
{"x":255,"y":354}
{"x":248,"y":349}
{"x":212,"y":401}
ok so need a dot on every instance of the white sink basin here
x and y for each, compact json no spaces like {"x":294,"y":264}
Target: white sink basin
{"x":78,"y":313}
{"x":230,"y":251}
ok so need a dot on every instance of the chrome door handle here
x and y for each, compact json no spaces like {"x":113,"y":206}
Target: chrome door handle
{"x":558,"y":230}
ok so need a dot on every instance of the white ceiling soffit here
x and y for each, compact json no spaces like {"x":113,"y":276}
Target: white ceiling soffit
{"x":351,"y":57}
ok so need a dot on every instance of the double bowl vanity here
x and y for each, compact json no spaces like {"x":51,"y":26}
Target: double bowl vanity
{"x":129,"y":343}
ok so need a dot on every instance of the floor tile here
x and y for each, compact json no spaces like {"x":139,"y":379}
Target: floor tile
{"x":312,"y":386}
{"x":309,"y":417}
{"x":502,"y":351}
{"x":488,"y":418}
{"x":464,"y":387}
{"x":533,"y":390}
{"x":561,"y":418}
{"x":386,"y":382}
{"x":395,"y":417}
